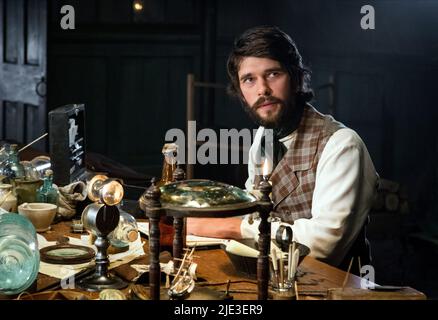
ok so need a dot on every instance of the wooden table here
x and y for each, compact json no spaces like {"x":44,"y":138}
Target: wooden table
{"x":215,"y":269}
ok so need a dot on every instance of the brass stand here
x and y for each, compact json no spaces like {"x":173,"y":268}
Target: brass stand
{"x":102,"y":219}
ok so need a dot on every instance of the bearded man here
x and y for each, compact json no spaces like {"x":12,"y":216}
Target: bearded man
{"x":323,"y":179}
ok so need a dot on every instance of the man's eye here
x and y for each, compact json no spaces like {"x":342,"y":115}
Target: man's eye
{"x":273,"y":74}
{"x":248,"y":80}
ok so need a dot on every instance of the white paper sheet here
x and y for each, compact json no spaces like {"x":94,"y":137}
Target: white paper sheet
{"x":191,"y":240}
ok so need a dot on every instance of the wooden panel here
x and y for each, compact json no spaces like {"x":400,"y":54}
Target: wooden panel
{"x":147,"y":108}
{"x":12,"y":27}
{"x":363,"y":98}
{"x":31,"y":117}
{"x":14,"y":116}
{"x":181,"y":11}
{"x":178,"y":68}
{"x":138,"y":97}
{"x":2,"y":120}
{"x":114,"y":11}
{"x":2,"y":40}
{"x":324,"y":95}
{"x":69,"y":85}
{"x":359,"y":105}
{"x":32,"y":30}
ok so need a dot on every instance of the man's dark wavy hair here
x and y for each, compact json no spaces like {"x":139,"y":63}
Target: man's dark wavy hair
{"x":269,"y":42}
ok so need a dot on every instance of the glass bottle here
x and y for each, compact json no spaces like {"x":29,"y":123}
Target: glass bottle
{"x":19,"y":254}
{"x":125,"y":232}
{"x":12,"y":168}
{"x":167,"y":232}
{"x":166,"y":223}
{"x":169,"y":163}
{"x":47,"y":193}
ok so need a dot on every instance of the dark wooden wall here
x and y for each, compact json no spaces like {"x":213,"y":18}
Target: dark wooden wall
{"x":130,"y":71}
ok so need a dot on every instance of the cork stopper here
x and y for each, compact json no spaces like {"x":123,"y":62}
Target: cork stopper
{"x":132,"y":235}
{"x":48,"y":173}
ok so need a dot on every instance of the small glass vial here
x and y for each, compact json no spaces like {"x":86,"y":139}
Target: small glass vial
{"x":125,"y":232}
{"x":47,"y":193}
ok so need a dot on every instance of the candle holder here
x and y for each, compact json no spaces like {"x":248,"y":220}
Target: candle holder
{"x":265,"y":208}
{"x":101,"y":218}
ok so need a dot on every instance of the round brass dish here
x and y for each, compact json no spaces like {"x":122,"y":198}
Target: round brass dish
{"x":198,"y":197}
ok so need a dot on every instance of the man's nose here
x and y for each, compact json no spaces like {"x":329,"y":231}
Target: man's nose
{"x":264,"y":89}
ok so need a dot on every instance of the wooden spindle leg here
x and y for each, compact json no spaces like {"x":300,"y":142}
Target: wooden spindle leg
{"x":263,"y":258}
{"x":178,"y":224}
{"x":154,"y":259}
{"x":151,"y":199}
{"x":264,"y":240}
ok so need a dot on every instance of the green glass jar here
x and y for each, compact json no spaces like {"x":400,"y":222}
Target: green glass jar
{"x":47,"y":193}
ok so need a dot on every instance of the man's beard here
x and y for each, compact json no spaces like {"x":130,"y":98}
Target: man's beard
{"x":284,"y":114}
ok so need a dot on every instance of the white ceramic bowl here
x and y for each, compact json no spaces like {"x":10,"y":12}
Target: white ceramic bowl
{"x":40,"y":214}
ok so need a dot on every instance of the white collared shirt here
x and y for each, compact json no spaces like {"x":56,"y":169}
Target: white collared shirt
{"x":345,"y":189}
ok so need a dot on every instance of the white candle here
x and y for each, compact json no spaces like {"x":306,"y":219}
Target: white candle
{"x":266,"y":169}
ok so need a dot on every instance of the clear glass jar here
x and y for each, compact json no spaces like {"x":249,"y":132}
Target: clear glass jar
{"x":19,"y":254}
{"x":8,"y":201}
{"x":125,"y":232}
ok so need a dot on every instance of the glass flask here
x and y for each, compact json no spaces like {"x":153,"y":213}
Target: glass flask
{"x":47,"y":193}
{"x":11,"y":168}
{"x":19,"y":254}
{"x":125,"y":232}
{"x":30,"y":173}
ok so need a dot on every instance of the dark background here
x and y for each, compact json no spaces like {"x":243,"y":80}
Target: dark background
{"x":129,"y":69}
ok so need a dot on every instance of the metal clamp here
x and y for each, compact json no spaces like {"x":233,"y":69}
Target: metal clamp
{"x":283,"y":237}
